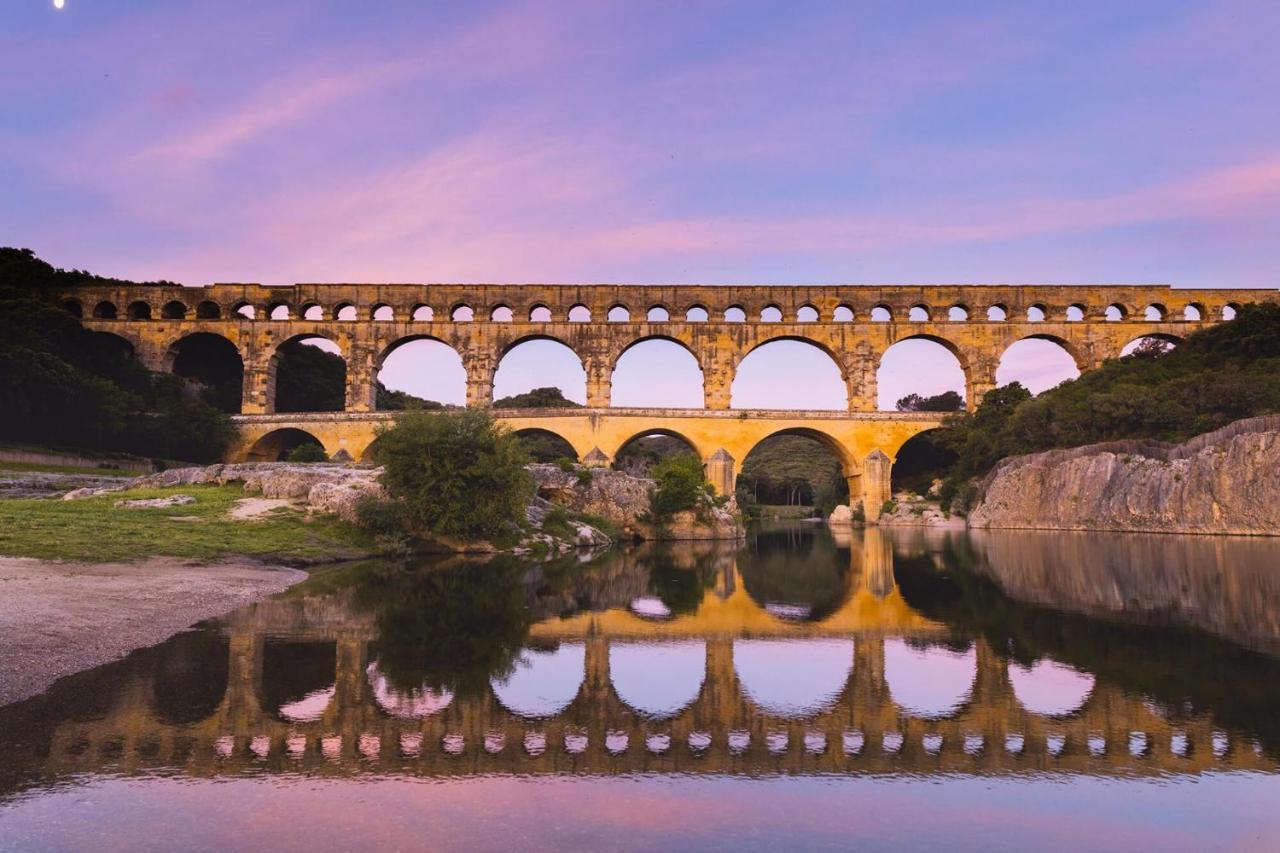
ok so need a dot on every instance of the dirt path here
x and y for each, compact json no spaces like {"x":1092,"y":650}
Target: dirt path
{"x":60,"y":618}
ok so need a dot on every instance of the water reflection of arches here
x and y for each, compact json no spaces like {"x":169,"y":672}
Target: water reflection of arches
{"x":406,"y":704}
{"x":543,"y":681}
{"x":793,"y":679}
{"x":298,"y":679}
{"x":1050,"y":688}
{"x":190,"y":677}
{"x":658,"y":679}
{"x":929,"y":681}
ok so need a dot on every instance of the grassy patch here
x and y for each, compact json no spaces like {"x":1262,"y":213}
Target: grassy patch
{"x":94,"y":530}
{"x":28,"y":467}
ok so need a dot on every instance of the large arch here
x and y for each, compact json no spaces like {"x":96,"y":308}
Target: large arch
{"x":920,"y":461}
{"x":658,"y":680}
{"x":543,"y":682}
{"x":789,"y":373}
{"x":277,"y":444}
{"x":639,"y":452}
{"x":930,"y":680}
{"x":1050,"y":688}
{"x":795,"y":679}
{"x":1038,"y":363}
{"x":793,"y":475}
{"x":926,"y":365}
{"x":307,"y":373}
{"x":657,"y":372}
{"x":215,"y":362}
{"x":540,"y":361}
{"x":420,"y":371}
{"x":1162,"y":340}
{"x":415,"y":704}
{"x":544,"y":445}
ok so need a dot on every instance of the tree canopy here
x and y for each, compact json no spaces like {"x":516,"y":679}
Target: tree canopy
{"x":538,"y":398}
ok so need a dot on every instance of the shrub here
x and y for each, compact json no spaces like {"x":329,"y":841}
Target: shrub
{"x":308,"y":452}
{"x":888,"y":507}
{"x":456,"y":473}
{"x":679,"y":484}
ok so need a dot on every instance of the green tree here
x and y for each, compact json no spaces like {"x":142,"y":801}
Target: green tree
{"x":538,"y":398}
{"x":947,"y":401}
{"x":308,"y":379}
{"x":679,"y":484}
{"x":403,"y":401}
{"x":456,"y":473}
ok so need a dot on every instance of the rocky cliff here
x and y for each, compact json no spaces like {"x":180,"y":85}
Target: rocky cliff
{"x":1226,"y":481}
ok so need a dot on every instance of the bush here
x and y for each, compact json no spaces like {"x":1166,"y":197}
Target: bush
{"x":456,"y":473}
{"x":308,"y":452}
{"x":680,"y":485}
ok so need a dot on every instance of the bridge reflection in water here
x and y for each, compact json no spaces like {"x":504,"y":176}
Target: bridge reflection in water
{"x":797,"y":655}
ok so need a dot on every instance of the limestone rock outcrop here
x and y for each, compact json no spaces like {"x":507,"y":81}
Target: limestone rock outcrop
{"x":1226,"y":481}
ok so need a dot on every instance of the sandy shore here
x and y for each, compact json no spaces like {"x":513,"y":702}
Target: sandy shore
{"x":60,"y":618}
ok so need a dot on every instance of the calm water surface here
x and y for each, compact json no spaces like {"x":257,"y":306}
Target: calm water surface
{"x":885,"y":689}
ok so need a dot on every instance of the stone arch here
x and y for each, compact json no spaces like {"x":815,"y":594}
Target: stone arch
{"x":461,"y":312}
{"x":618,"y":313}
{"x":281,"y":354}
{"x":771,"y":313}
{"x":382,"y":313}
{"x":73,"y":307}
{"x":843,"y":313}
{"x":212,"y":360}
{"x":579,"y":313}
{"x":139,"y":310}
{"x":578,"y":382}
{"x":1076,"y":312}
{"x":546,"y":445}
{"x":781,"y":381}
{"x":735,"y":314}
{"x":174,"y":310}
{"x":1050,"y":689}
{"x":930,"y":681}
{"x":886,"y":371}
{"x":208,"y":310}
{"x":881,"y":313}
{"x":818,"y":672}
{"x":1116,"y":312}
{"x":422,"y":313}
{"x":1156,"y":312}
{"x":345,"y":311}
{"x":450,"y":376}
{"x":689,"y":443}
{"x":540,"y":312}
{"x":997,"y":313}
{"x":658,"y":313}
{"x":807,"y":313}
{"x":958,"y":313}
{"x":917,"y":460}
{"x":543,"y":681}
{"x":1230,"y":310}
{"x":299,"y":678}
{"x":312,"y":311}
{"x":675,"y":387}
{"x":919,"y":313}
{"x":1194,"y":311}
{"x":1163,"y":337}
{"x":501,"y":313}
{"x":1041,"y":356}
{"x":683,"y":664}
{"x":847,"y":459}
{"x":276,"y":444}
{"x":1037,"y":313}
{"x":697,"y":313}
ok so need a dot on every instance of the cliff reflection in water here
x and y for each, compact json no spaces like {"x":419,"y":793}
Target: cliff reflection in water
{"x":872,"y":652}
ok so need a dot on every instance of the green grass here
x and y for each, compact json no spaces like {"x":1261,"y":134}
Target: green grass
{"x":63,"y":469}
{"x":93,"y":530}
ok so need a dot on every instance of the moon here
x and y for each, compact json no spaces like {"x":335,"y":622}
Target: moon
{"x":58,"y":4}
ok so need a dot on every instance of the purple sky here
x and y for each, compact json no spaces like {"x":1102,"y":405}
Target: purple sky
{"x":693,"y":142}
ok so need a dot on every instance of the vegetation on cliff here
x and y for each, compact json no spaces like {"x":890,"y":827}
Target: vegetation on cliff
{"x":538,"y":398}
{"x":1217,"y":375}
{"x":65,"y":385}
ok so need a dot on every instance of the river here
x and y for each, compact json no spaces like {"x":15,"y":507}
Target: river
{"x":879,"y":689}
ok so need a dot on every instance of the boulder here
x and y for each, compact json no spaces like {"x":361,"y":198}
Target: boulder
{"x":155,"y":503}
{"x":841,"y":516}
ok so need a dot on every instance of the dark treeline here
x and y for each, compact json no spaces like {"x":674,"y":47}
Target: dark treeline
{"x":64,"y":385}
{"x":1217,"y":375}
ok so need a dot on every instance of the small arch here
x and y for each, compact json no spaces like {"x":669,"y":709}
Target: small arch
{"x":579,"y":314}
{"x":383,"y":313}
{"x":313,"y":312}
{"x":104,"y":311}
{"x":1115,"y":312}
{"x":540,"y":314}
{"x":174,"y":310}
{"x":245,"y":310}
{"x":502,"y":314}
{"x":1037,"y":313}
{"x":657,"y":372}
{"x":1154,"y":313}
{"x":423,"y":314}
{"x":279,"y":443}
{"x":1193,"y":312}
{"x":657,"y":314}
{"x":881,"y":314}
{"x":73,"y":307}
{"x":139,"y":310}
{"x":735,"y":314}
{"x":807,"y":314}
{"x":1075,"y":313}
{"x":462,"y":313}
{"x":842,"y":314}
{"x":697,"y":314}
{"x":918,"y":314}
{"x":997,"y":313}
{"x":1230,"y":310}
{"x":345,"y":312}
{"x":958,"y":313}
{"x":618,"y":314}
{"x":278,"y":311}
{"x":771,"y":314}
{"x":208,"y":310}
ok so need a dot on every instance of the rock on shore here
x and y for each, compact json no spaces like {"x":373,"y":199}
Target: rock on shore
{"x":1226,"y":481}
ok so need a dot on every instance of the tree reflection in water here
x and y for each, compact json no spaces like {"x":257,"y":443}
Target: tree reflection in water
{"x":795,"y":574}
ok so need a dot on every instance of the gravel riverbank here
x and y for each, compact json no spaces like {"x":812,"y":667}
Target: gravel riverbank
{"x":60,"y":618}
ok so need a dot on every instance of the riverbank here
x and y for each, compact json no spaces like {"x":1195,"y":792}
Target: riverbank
{"x":58,"y":618}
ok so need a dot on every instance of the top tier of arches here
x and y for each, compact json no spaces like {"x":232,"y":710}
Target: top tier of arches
{"x":603,"y":304}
